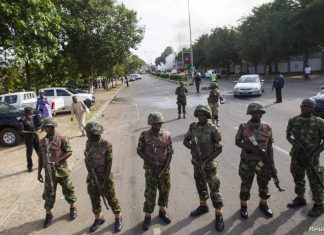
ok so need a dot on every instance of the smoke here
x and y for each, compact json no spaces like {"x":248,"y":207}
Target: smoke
{"x":169,"y":63}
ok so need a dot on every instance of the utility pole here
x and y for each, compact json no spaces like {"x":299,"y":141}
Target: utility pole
{"x":191,"y":52}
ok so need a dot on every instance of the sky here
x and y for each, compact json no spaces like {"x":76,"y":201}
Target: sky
{"x":166,"y":21}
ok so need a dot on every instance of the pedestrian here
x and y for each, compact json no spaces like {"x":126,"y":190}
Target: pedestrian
{"x":45,"y":108}
{"x":38,"y":102}
{"x":181,"y":93}
{"x":255,"y":139}
{"x":98,"y":156}
{"x":126,"y":81}
{"x":155,"y":148}
{"x":197,"y":81}
{"x":213,"y":77}
{"x":28,"y":130}
{"x":204,"y":141}
{"x":307,"y":72}
{"x":54,"y":152}
{"x":214,"y":98}
{"x":305,"y":133}
{"x":79,"y":109}
{"x":278,"y":84}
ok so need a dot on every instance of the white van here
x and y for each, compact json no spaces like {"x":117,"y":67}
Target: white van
{"x":20,"y":100}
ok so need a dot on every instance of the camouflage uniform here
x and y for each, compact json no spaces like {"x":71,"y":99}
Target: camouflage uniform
{"x":181,"y":92}
{"x":309,"y":132}
{"x":98,"y":153}
{"x":59,"y":145}
{"x":213,"y":101}
{"x":250,"y":162}
{"x":159,"y":145}
{"x":209,"y":139}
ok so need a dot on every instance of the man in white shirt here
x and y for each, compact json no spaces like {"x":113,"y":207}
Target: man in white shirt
{"x":307,"y":72}
{"x":79,"y":109}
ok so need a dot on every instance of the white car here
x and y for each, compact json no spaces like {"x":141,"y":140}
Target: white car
{"x":250,"y":84}
{"x":20,"y":100}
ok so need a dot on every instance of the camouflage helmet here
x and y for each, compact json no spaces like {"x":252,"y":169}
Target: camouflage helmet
{"x":49,"y":121}
{"x":213,"y":85}
{"x":155,"y":117}
{"x":204,"y":108}
{"x":94,"y":128}
{"x":181,"y":83}
{"x":255,"y":106}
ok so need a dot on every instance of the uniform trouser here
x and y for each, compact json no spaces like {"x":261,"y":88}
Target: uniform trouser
{"x":108,"y":192}
{"x":31,"y":143}
{"x":247,"y":171}
{"x":278,"y":95}
{"x":154,"y":183}
{"x":213,"y":183}
{"x":214,"y":109}
{"x":67,"y":189}
{"x":181,"y":104}
{"x":80,"y":117}
{"x":197,"y":86}
{"x":298,"y":167}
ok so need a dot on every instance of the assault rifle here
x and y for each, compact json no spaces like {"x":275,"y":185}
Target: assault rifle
{"x":47,"y":166}
{"x":157,"y":169}
{"x":200,"y":160}
{"x":265,"y":159}
{"x":309,"y":164}
{"x":93,"y":175}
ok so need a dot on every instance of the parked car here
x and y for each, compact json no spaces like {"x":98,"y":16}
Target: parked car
{"x":20,"y":100}
{"x":138,"y":76}
{"x":66,"y":94}
{"x":9,"y":124}
{"x":131,"y":78}
{"x":56,"y":103}
{"x":209,"y":73}
{"x":319,"y":99}
{"x":250,"y":84}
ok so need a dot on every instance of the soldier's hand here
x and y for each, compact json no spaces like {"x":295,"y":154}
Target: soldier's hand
{"x":52,"y":164}
{"x":40,"y":178}
{"x":162,"y":173}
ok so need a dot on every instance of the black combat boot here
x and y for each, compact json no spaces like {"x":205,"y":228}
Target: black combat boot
{"x":179,"y":116}
{"x":118,"y":224}
{"x":298,"y":201}
{"x":266,"y":210}
{"x":96,"y":224}
{"x":316,"y":211}
{"x":184,"y":116}
{"x":219,"y":223}
{"x":73,"y":213}
{"x":146,"y":223}
{"x":48,"y":220}
{"x":165,"y":217}
{"x":244,"y":212}
{"x":199,"y":211}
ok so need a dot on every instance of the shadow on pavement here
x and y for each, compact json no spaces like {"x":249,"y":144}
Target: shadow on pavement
{"x":178,"y":138}
{"x":14,"y":174}
{"x":26,"y":228}
{"x":178,"y":226}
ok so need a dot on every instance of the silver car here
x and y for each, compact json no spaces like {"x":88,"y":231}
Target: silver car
{"x":250,"y":84}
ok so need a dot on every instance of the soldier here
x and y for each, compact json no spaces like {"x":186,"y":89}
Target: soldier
{"x":204,"y":140}
{"x":181,"y":92}
{"x":306,"y":134}
{"x":213,"y":101}
{"x":254,"y":137}
{"x":98,"y":155}
{"x":155,"y":148}
{"x":54,"y":151}
{"x":197,"y":79}
{"x":27,"y":128}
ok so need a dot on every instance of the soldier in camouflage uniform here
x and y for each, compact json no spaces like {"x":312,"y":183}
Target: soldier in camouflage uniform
{"x":181,"y":93}
{"x":28,"y":130}
{"x":214,"y":99}
{"x":204,"y":141}
{"x":54,"y":151}
{"x":254,"y":137}
{"x":306,"y":134}
{"x":155,"y":148}
{"x":98,"y":153}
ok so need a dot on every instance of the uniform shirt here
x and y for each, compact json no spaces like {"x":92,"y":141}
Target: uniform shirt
{"x":61,"y":170}
{"x":215,"y":140}
{"x":307,"y":70}
{"x":309,"y":132}
{"x":78,"y":107}
{"x":27,"y":124}
{"x":141,"y":143}
{"x":212,"y":96}
{"x":181,"y":92}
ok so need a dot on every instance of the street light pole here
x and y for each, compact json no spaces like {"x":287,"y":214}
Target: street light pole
{"x":191,"y":52}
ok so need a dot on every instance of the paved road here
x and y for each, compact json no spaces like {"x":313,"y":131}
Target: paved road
{"x":126,"y":117}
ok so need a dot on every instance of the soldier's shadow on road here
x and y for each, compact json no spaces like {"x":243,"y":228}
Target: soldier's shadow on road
{"x":26,"y":228}
{"x":14,"y":174}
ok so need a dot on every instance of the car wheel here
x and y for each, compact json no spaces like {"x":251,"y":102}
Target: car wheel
{"x":9,"y":137}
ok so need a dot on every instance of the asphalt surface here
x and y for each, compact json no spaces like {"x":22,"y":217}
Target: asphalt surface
{"x":126,"y":117}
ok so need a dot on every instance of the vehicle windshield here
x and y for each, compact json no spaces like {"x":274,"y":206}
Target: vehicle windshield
{"x":6,"y":107}
{"x":248,"y":80}
{"x":72,"y":90}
